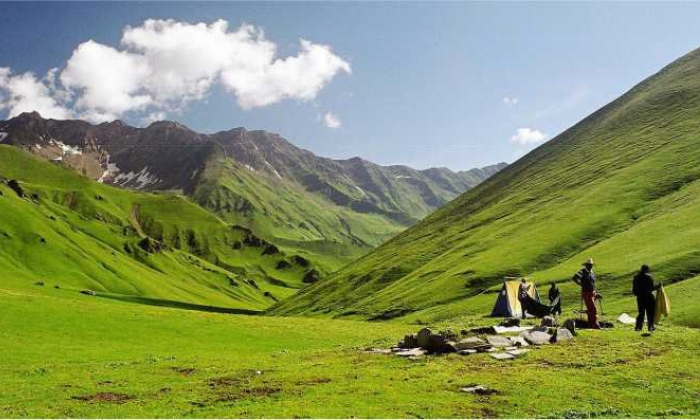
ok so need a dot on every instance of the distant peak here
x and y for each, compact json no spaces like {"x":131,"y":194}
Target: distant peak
{"x":167,"y":124}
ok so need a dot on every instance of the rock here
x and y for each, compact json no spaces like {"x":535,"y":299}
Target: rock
{"x":483,"y":330}
{"x":283,"y":265}
{"x":502,"y":356}
{"x":479,"y":389}
{"x":448,"y":347}
{"x":412,"y":352}
{"x":485,"y":349}
{"x":410,"y":341}
{"x":519,"y":341}
{"x":469,"y":343}
{"x":510,"y":322}
{"x":562,"y":334}
{"x":626,"y":319}
{"x":88,"y":292}
{"x":397,"y":349}
{"x":518,"y":352}
{"x":311,"y":276}
{"x":423,"y":337}
{"x":436,"y":342}
{"x":536,"y":337}
{"x":502,"y":330}
{"x":378,"y":351}
{"x":39,"y":283}
{"x":498,"y":341}
{"x":510,"y":348}
{"x":14,"y":186}
{"x":570,"y":324}
{"x":548,"y":321}
{"x":466,"y":352}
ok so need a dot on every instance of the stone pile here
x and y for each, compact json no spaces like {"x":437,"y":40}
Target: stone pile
{"x":501,"y":347}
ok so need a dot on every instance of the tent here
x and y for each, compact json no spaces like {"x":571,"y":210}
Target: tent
{"x":507,"y":303}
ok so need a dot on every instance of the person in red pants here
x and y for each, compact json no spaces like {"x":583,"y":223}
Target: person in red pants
{"x":586,"y":279}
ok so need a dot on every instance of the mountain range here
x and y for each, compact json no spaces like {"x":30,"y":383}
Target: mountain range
{"x":254,"y":179}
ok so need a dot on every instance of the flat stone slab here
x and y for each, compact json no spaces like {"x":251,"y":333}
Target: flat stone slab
{"x":626,"y":319}
{"x":417,"y":352}
{"x":379,"y":351}
{"x":518,"y":352}
{"x":488,"y":349}
{"x":535,"y":337}
{"x":502,"y":356}
{"x":469,"y":343}
{"x":466,"y":352}
{"x":498,"y":341}
{"x":504,"y":330}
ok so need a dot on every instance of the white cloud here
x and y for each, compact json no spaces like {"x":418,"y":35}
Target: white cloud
{"x":331,"y":120}
{"x":163,"y":65}
{"x":24,"y":92}
{"x":527,"y":136}
{"x":511,"y":101}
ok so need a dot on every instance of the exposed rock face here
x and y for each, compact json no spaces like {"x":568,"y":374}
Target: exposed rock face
{"x":536,"y":337}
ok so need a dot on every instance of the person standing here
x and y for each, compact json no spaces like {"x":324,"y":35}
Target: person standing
{"x":555,"y":299}
{"x":522,"y":296}
{"x":586,"y":279}
{"x":643,"y":287}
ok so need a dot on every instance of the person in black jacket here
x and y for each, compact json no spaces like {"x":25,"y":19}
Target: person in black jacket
{"x":643,"y":287}
{"x":555,"y":299}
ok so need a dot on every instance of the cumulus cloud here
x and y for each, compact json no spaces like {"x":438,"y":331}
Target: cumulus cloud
{"x":331,"y":120}
{"x":163,"y":65}
{"x":511,"y":101}
{"x":528,"y":136}
{"x":25,"y":92}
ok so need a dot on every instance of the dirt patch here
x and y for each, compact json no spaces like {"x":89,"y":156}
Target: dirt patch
{"x":184,"y":371}
{"x":315,"y":381}
{"x":258,"y":391}
{"x":105,"y":397}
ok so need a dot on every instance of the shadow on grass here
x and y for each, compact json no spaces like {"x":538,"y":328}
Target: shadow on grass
{"x":179,"y":305}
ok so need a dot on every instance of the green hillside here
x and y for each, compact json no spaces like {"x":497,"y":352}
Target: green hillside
{"x":70,"y":232}
{"x":621,"y":186}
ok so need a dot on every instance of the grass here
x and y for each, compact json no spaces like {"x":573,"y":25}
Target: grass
{"x":70,"y":355}
{"x":621,"y":186}
{"x":77,"y":234}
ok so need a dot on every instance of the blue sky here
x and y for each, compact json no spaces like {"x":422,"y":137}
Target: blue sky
{"x":428,"y":82}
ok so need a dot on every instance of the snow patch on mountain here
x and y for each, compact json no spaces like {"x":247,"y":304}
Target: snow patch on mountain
{"x":250,"y":168}
{"x":3,"y":136}
{"x":360,"y":190}
{"x":67,"y":150}
{"x":143,"y":178}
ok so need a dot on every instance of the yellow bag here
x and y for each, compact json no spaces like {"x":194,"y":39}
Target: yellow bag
{"x":663,"y":306}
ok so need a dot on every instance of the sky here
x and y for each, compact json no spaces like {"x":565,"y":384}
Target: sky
{"x":458,"y":85}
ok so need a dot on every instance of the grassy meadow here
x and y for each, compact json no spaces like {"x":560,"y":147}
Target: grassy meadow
{"x":71,"y":355}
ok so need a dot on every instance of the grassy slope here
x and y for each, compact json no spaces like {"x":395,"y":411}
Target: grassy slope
{"x":621,"y":186}
{"x":59,"y":345}
{"x":297,"y":220}
{"x":80,"y":234}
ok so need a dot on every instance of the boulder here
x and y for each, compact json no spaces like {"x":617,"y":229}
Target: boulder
{"x":502,"y":356}
{"x":470,"y":343}
{"x":498,"y":341}
{"x":410,"y":341}
{"x":548,"y":321}
{"x":570,"y":324}
{"x":436,"y":343}
{"x":536,"y":337}
{"x":448,"y":347}
{"x":562,"y":334}
{"x":423,"y":337}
